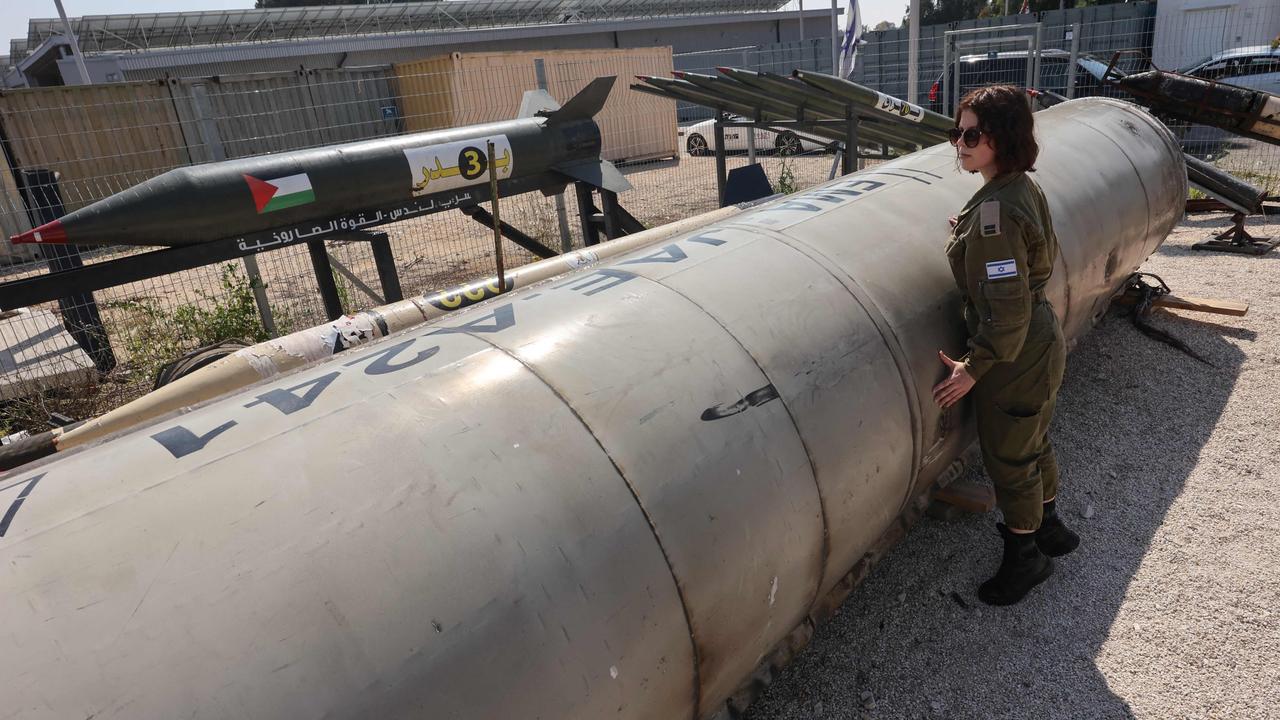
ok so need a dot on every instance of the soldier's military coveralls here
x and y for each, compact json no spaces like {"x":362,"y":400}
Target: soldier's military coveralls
{"x":1002,"y":252}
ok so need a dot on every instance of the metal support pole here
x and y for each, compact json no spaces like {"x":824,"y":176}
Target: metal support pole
{"x":79,"y":310}
{"x":497,"y":219}
{"x":913,"y":54}
{"x":586,"y":208}
{"x":562,"y":212}
{"x":850,"y":141}
{"x":751,"y":144}
{"x":385,"y":262}
{"x":1071,"y":65}
{"x":835,"y":33}
{"x":207,"y":127}
{"x":802,"y":27}
{"x":609,"y":208}
{"x":324,"y":279}
{"x":722,"y":172}
{"x":75,"y":45}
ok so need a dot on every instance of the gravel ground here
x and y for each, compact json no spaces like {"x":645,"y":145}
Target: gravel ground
{"x":1171,"y":606}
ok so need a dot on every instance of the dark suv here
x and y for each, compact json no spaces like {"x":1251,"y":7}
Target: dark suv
{"x":1011,"y":68}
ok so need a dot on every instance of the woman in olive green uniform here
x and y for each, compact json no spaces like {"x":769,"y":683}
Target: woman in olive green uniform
{"x":1002,"y":253}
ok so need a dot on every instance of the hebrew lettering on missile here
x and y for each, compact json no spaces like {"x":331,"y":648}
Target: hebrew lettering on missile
{"x":27,"y":486}
{"x":436,"y":168}
{"x":803,"y":206}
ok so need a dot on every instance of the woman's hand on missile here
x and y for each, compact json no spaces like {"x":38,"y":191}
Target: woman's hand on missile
{"x":957,"y":385}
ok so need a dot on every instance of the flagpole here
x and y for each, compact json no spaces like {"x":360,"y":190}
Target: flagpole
{"x":802,"y":24}
{"x":835,"y":33}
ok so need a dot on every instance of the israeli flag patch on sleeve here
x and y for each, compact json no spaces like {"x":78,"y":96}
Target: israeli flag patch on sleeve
{"x":1002,"y":269}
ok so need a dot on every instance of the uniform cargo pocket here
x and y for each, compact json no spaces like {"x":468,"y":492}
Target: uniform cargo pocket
{"x":1008,"y":302}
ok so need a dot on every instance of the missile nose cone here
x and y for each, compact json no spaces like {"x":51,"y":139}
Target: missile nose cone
{"x":45,"y":234}
{"x":677,"y":73}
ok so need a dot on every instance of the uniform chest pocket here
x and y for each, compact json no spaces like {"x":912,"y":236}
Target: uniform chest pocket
{"x":1008,"y":302}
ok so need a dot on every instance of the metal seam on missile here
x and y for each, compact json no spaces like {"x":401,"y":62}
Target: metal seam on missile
{"x":808,"y":456}
{"x":890,"y":338}
{"x":653,"y":528}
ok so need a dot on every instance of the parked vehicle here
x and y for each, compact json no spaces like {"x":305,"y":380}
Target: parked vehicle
{"x":1256,"y":67}
{"x":1011,"y":68}
{"x":699,"y":139}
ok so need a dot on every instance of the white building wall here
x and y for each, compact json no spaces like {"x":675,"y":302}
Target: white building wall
{"x":1189,"y":30}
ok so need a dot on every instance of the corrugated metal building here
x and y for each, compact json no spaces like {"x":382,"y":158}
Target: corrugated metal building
{"x":155,"y":45}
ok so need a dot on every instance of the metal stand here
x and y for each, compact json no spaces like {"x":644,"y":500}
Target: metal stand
{"x":383,"y":260}
{"x":614,"y":220}
{"x":1236,"y":239}
{"x":79,"y":310}
{"x":485,"y":218}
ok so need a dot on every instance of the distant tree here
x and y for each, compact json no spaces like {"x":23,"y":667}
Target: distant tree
{"x":885,"y":25}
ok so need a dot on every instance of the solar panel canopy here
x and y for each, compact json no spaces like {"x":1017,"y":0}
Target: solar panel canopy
{"x":143,"y":31}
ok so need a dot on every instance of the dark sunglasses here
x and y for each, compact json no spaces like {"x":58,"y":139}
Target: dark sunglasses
{"x":970,"y":136}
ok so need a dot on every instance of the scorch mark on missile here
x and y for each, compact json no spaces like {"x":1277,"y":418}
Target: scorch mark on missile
{"x":755,"y":398}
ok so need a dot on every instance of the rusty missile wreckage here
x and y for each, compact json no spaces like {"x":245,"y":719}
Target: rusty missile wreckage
{"x":612,"y":493}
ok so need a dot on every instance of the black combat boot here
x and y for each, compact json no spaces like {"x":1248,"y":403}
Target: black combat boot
{"x":1054,"y":538}
{"x":1022,"y":568}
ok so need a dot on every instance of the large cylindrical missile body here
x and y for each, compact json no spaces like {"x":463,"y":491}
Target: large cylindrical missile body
{"x":232,"y":198}
{"x":608,"y":495}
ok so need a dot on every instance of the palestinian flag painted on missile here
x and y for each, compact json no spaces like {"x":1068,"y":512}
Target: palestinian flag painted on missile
{"x":280,"y":193}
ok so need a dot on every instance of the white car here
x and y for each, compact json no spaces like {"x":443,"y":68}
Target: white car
{"x":1257,"y":68}
{"x":699,"y":139}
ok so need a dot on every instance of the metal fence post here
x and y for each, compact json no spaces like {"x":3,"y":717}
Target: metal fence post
{"x":562,"y":213}
{"x":1071,"y":64}
{"x":207,"y":126}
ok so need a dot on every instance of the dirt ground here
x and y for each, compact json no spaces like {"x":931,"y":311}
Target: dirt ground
{"x":1171,"y":606}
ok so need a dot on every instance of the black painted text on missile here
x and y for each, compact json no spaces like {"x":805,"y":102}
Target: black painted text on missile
{"x":182,"y":441}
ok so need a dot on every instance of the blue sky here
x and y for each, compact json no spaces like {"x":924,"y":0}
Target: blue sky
{"x":14,"y":13}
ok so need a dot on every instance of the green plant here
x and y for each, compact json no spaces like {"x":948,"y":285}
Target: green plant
{"x":786,"y":183}
{"x":154,"y":335}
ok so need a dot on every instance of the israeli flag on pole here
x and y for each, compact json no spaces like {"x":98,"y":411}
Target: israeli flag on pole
{"x":852,"y":37}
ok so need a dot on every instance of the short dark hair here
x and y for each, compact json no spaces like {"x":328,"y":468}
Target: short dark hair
{"x":1004,"y":115}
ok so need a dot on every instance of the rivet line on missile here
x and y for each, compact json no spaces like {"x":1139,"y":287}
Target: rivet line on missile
{"x":883,"y":328}
{"x":644,"y":512}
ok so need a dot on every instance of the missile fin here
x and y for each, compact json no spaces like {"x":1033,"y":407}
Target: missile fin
{"x":601,"y":174}
{"x":537,"y":102}
{"x":585,"y":104}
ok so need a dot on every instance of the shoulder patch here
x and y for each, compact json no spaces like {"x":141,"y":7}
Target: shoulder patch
{"x":989,"y":218}
{"x":1002,"y":269}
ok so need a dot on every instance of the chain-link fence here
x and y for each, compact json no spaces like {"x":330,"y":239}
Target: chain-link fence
{"x":103,"y":139}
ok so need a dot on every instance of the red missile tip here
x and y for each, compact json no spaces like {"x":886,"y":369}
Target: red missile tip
{"x":725,"y":69}
{"x":677,"y":73}
{"x":45,"y":234}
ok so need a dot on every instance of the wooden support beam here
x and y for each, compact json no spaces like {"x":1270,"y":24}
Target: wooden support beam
{"x":967,"y":495}
{"x":1198,"y":304}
